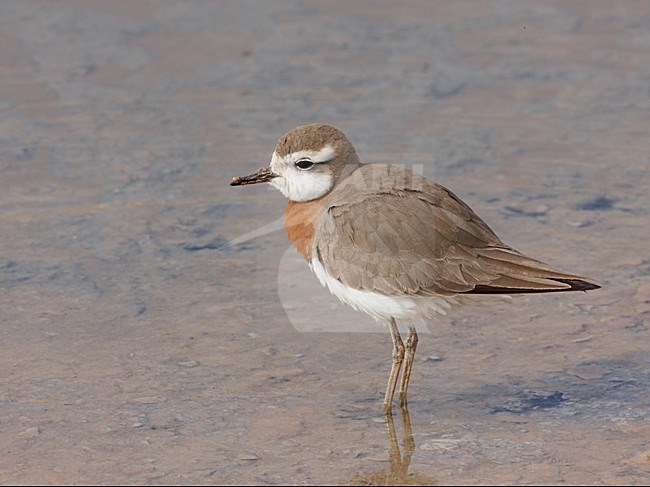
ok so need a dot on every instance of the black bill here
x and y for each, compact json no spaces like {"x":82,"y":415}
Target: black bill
{"x":263,"y":175}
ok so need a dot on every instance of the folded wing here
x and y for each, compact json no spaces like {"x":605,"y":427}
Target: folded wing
{"x":394,"y":232}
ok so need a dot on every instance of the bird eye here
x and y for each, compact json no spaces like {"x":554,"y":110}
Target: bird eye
{"x":304,"y":164}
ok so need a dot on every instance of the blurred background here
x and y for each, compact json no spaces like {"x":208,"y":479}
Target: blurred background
{"x":137,"y":349}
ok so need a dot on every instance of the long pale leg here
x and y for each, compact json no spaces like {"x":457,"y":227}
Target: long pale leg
{"x":409,"y":355}
{"x":398,"y":358}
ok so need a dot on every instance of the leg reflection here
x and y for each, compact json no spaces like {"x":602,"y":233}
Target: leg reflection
{"x":399,"y":458}
{"x":399,"y":463}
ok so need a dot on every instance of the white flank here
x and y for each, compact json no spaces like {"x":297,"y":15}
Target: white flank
{"x":405,"y":309}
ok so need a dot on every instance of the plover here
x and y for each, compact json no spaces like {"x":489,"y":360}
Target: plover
{"x":392,"y":243}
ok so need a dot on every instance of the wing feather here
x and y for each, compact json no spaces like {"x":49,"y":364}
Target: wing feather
{"x":391,"y":231}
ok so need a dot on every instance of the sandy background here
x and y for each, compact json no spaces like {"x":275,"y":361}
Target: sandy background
{"x":136,"y":350}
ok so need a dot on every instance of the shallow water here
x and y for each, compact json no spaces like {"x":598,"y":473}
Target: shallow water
{"x":137,"y":348}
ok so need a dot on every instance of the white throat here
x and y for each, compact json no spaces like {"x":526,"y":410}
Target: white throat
{"x":300,"y":185}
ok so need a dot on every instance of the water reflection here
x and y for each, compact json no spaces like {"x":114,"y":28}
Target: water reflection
{"x":399,"y":459}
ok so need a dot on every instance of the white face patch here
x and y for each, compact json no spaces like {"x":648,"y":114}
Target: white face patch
{"x":302,"y":185}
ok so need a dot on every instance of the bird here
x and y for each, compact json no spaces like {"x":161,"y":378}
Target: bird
{"x":392,"y":243}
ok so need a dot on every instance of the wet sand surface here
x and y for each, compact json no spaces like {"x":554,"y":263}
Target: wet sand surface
{"x":137,"y":349}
